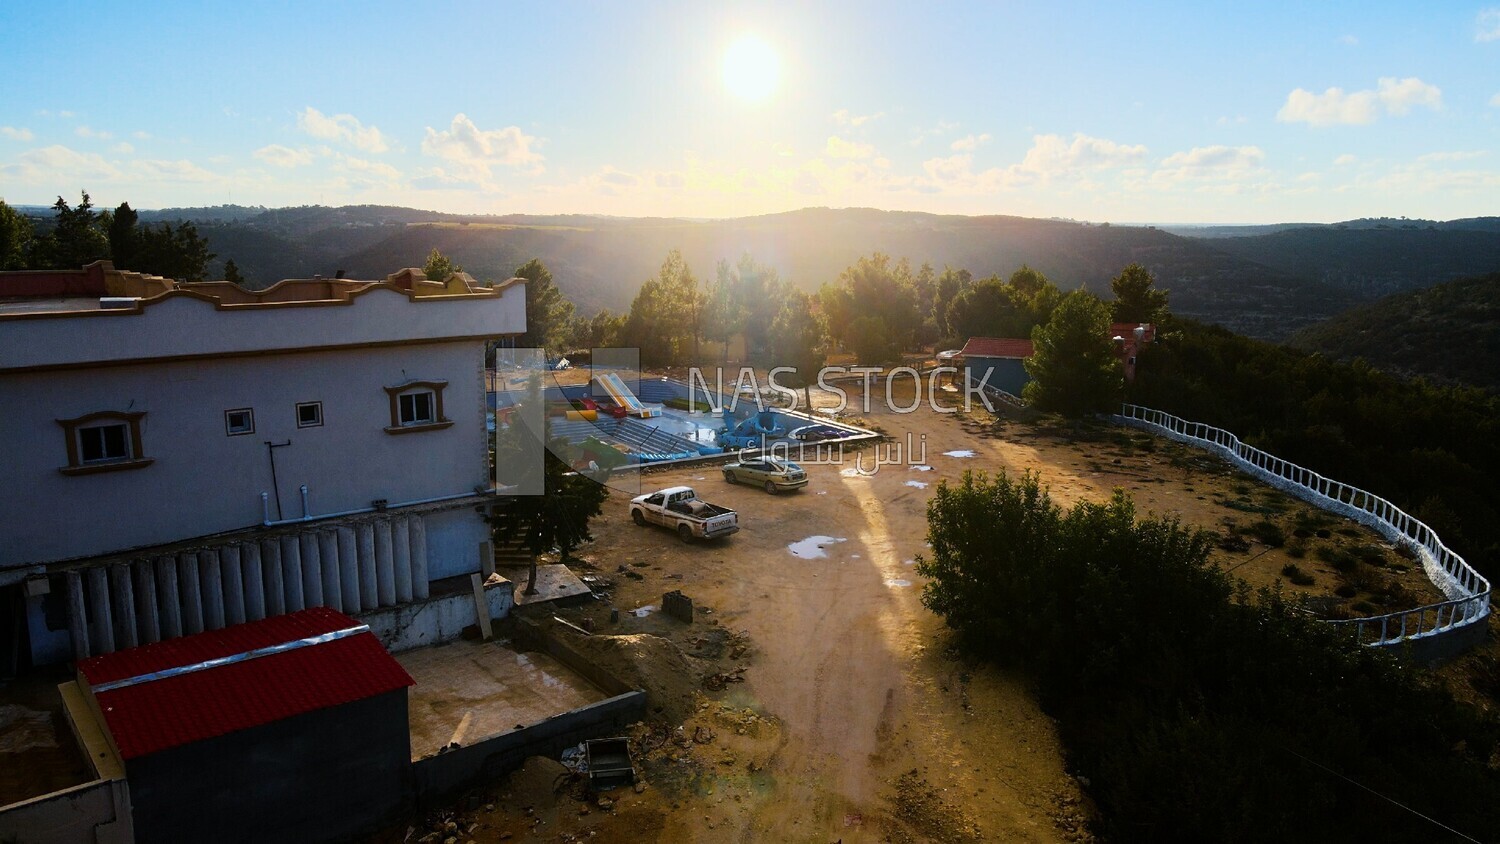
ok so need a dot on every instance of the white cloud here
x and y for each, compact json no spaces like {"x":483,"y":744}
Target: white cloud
{"x":86,"y":132}
{"x":969,"y":143}
{"x":344,"y":128}
{"x":844,"y":118}
{"x":1345,"y":159}
{"x":1454,"y":155}
{"x":140,"y":135}
{"x":474,"y":152}
{"x":783,"y":150}
{"x":1053,"y":154}
{"x":839,"y":148}
{"x":16,"y":134}
{"x":1400,"y":95}
{"x":1336,"y":106}
{"x":170,"y":171}
{"x":1495,"y":101}
{"x":1213,"y":163}
{"x":58,"y":162}
{"x":122,"y":148}
{"x":669,"y":180}
{"x":1227,"y":120}
{"x":282,"y":156}
{"x":1332,"y":107}
{"x":1487,"y":25}
{"x":1349,"y":40}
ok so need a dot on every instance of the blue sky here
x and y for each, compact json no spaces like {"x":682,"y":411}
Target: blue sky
{"x":1153,"y":112}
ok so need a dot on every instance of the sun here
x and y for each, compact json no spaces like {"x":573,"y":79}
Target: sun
{"x":752,"y":70}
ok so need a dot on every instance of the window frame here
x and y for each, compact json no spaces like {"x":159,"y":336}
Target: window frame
{"x":229,"y":430}
{"x":410,"y":388}
{"x":72,"y":432}
{"x":298,"y":414}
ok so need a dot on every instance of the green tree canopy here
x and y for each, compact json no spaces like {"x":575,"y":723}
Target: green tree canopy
{"x":1136,"y":298}
{"x":548,"y":311}
{"x":873,"y":287}
{"x":996,"y":308}
{"x":663,"y":319}
{"x":16,"y":235}
{"x":800,"y":339}
{"x":1074,"y":369}
{"x":232,"y":273}
{"x":76,"y":238}
{"x":439,"y":267}
{"x":945,"y":289}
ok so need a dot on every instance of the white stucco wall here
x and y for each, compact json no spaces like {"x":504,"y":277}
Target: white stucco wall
{"x":204,"y":482}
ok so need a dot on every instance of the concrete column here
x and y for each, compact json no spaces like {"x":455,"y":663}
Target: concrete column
{"x":369,"y":596}
{"x":312,"y":569}
{"x":122,"y":591}
{"x":254,"y":580}
{"x":170,"y":600}
{"x":104,"y":622}
{"x":291,"y":573}
{"x":233,"y":581}
{"x":348,"y":545}
{"x":385,"y":567}
{"x":145,"y":601}
{"x":420,"y":585}
{"x":77,"y":616}
{"x":211,"y":584}
{"x":401,"y":558}
{"x":328,"y":552}
{"x":191,"y":585}
{"x":270,"y":571}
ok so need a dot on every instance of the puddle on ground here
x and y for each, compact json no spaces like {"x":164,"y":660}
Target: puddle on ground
{"x":811,"y":548}
{"x":960,"y":453}
{"x":897,"y":583}
{"x":642,"y":612}
{"x":852,"y":472}
{"x":923,"y":467}
{"x":917,"y":484}
{"x":908,"y":562}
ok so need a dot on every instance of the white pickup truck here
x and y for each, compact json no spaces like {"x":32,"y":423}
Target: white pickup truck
{"x":682,"y":510}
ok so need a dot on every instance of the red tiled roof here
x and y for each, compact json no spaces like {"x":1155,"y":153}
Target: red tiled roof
{"x":157,"y":714}
{"x":997,"y":347}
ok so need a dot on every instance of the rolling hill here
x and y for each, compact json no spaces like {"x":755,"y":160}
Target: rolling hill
{"x":600,"y":262}
{"x":1449,"y":333}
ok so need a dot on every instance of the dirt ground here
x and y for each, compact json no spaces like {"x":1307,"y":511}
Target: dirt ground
{"x":851,"y":720}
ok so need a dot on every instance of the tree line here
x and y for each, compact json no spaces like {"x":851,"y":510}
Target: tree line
{"x":79,"y":235}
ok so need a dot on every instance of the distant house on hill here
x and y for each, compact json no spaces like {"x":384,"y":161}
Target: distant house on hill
{"x":1000,"y":362}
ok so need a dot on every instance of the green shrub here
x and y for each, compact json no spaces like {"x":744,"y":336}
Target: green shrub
{"x":1268,"y":533}
{"x":1188,"y":707}
{"x":1296,"y":575}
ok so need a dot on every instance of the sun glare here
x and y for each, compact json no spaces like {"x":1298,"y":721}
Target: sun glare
{"x":752,"y":69}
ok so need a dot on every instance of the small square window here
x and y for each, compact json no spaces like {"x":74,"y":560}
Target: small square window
{"x":98,"y":443}
{"x":240,"y":421}
{"x":418,"y":408}
{"x":309,"y":414}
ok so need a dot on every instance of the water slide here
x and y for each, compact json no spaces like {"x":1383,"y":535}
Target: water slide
{"x":620,"y":394}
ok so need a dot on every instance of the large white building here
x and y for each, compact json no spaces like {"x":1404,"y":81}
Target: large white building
{"x":178,"y":457}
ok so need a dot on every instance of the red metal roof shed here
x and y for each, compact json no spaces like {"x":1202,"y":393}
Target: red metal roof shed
{"x":997,"y":347}
{"x":160,"y":696}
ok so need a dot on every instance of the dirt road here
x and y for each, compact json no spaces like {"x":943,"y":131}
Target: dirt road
{"x":869,"y":730}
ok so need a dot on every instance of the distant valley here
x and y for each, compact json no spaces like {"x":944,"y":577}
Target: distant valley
{"x":1266,"y":282}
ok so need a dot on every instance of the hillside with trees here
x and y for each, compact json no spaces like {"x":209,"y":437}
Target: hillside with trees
{"x":1370,"y":262}
{"x":1449,"y":333}
{"x":599,"y":262}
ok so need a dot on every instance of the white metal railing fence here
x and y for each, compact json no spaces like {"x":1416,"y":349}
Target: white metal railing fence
{"x":1468,"y":592}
